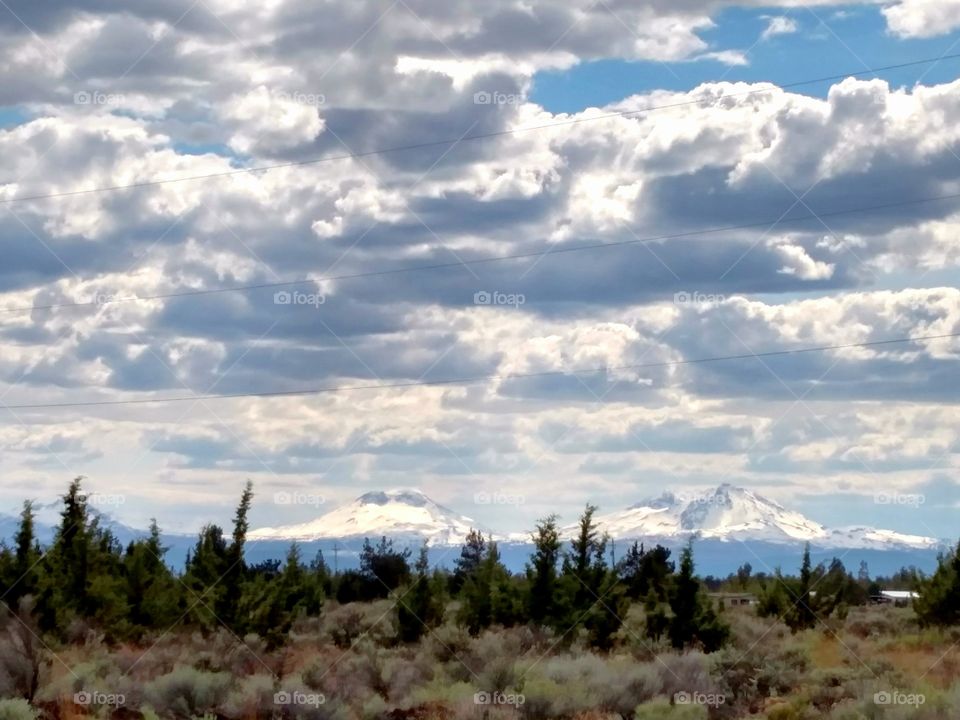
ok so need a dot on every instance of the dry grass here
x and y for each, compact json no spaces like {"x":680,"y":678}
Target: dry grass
{"x":766,"y":673}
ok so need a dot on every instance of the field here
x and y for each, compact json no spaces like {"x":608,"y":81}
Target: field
{"x":875,"y":663}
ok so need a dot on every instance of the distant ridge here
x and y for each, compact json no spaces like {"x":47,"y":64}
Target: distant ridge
{"x":726,"y":513}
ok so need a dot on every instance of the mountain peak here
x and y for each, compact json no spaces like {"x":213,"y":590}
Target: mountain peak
{"x":729,"y":512}
{"x":403,"y":513}
{"x":406,"y":496}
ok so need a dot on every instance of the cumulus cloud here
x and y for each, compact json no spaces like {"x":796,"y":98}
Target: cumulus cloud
{"x":230,"y":87}
{"x":923,"y":18}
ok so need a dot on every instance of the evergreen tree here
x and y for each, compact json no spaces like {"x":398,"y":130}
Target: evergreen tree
{"x":151,"y":589}
{"x":384,"y":568}
{"x":205,"y":567}
{"x":81,"y":575}
{"x":471,"y":555}
{"x":63,"y":592}
{"x":235,"y":572}
{"x":684,"y":602}
{"x":322,"y":583}
{"x":803,"y":613}
{"x":273,"y":598}
{"x":353,"y":586}
{"x":542,"y":605}
{"x":657,"y":621}
{"x":489,"y":596}
{"x":585,"y":565}
{"x":645,"y":570}
{"x":837,"y":590}
{"x":939,"y":600}
{"x":421,"y":607}
{"x":773,"y":601}
{"x":106,"y":596}
{"x":604,"y":619}
{"x":595,"y":600}
{"x":23,"y":575}
{"x":693,"y":618}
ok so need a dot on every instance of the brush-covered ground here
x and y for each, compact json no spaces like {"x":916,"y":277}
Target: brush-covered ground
{"x":349,"y":664}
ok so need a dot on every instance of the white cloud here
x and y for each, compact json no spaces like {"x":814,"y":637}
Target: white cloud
{"x":780,"y":25}
{"x":725,"y":154}
{"x":796,"y":261}
{"x":267,"y":121}
{"x":923,"y":18}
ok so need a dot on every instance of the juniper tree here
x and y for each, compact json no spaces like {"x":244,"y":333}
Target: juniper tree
{"x":421,"y":607}
{"x":383,"y":567}
{"x":803,"y":613}
{"x":939,"y":596}
{"x":489,"y":595}
{"x":471,"y":555}
{"x":693,"y":619}
{"x":150,"y":587}
{"x":23,"y":575}
{"x":542,"y":601}
{"x":643,"y":571}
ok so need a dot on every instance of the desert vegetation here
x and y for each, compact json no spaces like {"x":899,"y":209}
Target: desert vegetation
{"x":91,"y":628}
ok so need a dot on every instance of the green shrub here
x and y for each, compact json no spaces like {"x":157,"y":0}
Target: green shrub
{"x":16,"y":709}
{"x":187,"y":692}
{"x":608,"y":685}
{"x":689,"y":673}
{"x":448,"y":642}
{"x":545,"y":698}
{"x":347,"y":624}
{"x":252,"y":697}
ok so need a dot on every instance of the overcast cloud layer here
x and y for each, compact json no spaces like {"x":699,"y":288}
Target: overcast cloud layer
{"x":97,"y":94}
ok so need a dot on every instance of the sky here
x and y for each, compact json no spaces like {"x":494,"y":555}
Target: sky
{"x":777,"y":214}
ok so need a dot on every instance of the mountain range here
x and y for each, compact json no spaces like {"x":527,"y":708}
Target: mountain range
{"x":731,"y":525}
{"x":726,"y":513}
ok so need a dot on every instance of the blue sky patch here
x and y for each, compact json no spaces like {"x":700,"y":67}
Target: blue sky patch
{"x":815,"y":43}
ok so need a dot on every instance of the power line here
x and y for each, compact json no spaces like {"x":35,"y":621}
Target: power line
{"x":476,"y":378}
{"x":467,"y":138}
{"x":487,"y":260}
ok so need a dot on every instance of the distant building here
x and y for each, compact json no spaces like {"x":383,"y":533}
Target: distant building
{"x":894,"y":597}
{"x":734,"y":599}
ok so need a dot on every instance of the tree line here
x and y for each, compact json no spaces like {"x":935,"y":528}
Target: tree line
{"x":86,"y":580}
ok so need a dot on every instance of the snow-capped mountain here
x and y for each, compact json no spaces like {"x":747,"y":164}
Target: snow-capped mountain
{"x":724,"y":514}
{"x":401,"y":514}
{"x":730,"y":513}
